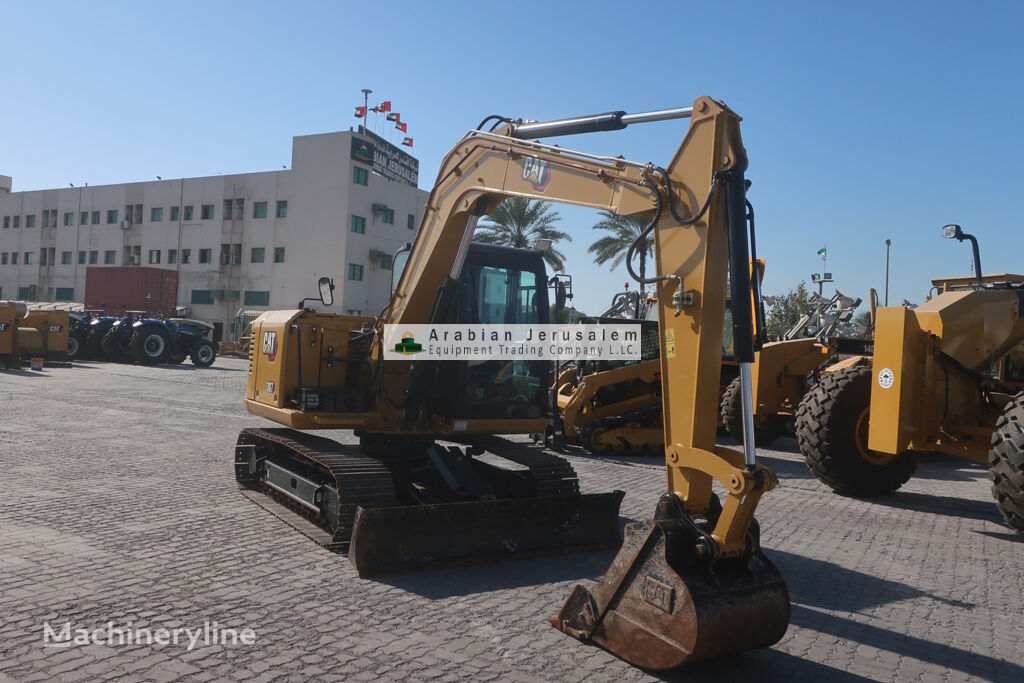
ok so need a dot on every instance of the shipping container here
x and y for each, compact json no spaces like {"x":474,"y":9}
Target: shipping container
{"x":115,"y":290}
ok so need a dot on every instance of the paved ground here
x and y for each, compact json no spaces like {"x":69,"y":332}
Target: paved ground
{"x":119,"y":505}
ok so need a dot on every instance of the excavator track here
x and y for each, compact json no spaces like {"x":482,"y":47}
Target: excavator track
{"x":616,"y":422}
{"x":348,"y":501}
{"x":360,"y":481}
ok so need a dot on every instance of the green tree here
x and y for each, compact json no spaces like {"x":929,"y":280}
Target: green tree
{"x":520,"y":222}
{"x":623,"y":231}
{"x":787,"y":310}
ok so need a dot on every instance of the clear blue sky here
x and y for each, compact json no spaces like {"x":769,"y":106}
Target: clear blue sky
{"x":862,"y":120}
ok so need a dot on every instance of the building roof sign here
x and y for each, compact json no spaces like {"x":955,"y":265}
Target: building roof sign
{"x":387,"y":160}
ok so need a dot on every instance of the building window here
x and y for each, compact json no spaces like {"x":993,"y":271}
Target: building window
{"x":65,"y":294}
{"x":186,"y":256}
{"x":15,"y":221}
{"x":228,"y":203}
{"x":111,"y":216}
{"x":257,"y":299}
{"x":360,"y":175}
{"x":358,"y":224}
{"x":172,"y":255}
{"x":81,"y":258}
{"x":188,"y":212}
{"x":14,"y":259}
{"x":175,"y":213}
{"x":156,"y":214}
{"x":30,"y":257}
{"x":205,"y":255}
{"x":282,"y":209}
{"x":7,"y":222}
{"x":30,"y":221}
{"x":65,"y":258}
{"x":69,"y":218}
{"x":110,"y":257}
{"x":42,"y":258}
{"x":207,"y":212}
{"x":355,"y":271}
{"x":388,"y":216}
{"x":411,"y":222}
{"x":202,"y":296}
{"x":258,"y":255}
{"x":3,"y":259}
{"x":154,"y":256}
{"x":259,"y":210}
{"x":239,"y":209}
{"x":83,"y":218}
{"x":278,"y":254}
{"x":95,"y":217}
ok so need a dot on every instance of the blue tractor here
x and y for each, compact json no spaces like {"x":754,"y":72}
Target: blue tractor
{"x":154,"y":341}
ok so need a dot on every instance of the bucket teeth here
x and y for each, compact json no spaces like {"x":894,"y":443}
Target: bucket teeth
{"x":661,"y":606}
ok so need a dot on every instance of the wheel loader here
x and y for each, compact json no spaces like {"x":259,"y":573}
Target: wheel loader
{"x":946,"y":377}
{"x":434,"y":481}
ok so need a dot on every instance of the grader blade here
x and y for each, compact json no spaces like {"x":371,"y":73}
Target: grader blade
{"x":389,"y":540}
{"x":661,"y":605}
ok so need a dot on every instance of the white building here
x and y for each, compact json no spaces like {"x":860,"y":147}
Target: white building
{"x":247,"y":240}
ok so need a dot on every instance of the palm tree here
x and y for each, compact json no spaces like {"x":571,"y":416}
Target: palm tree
{"x":520,"y":222}
{"x":614,"y":247}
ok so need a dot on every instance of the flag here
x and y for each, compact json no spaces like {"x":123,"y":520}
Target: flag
{"x":385,"y":106}
{"x":376,"y":110}
{"x":407,"y":142}
{"x":823,"y":252}
{"x":360,"y":112}
{"x":402,"y":127}
{"x":395,"y":116}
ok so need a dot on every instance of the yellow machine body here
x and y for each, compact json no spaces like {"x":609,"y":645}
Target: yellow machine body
{"x":927,"y":362}
{"x":37,"y":334}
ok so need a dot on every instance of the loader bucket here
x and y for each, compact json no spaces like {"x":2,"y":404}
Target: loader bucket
{"x":389,"y":540}
{"x":661,"y":605}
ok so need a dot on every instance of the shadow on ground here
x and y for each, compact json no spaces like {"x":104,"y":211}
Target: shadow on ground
{"x":949,"y":506}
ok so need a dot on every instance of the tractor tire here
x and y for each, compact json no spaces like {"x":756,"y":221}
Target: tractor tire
{"x":203,"y":354}
{"x":76,"y":346}
{"x":94,"y":345}
{"x":1006,"y":463}
{"x":150,"y":345}
{"x":732,"y":417}
{"x":832,"y":428}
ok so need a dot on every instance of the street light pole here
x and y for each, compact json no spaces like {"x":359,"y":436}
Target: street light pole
{"x":366,"y":110}
{"x":888,"y":243}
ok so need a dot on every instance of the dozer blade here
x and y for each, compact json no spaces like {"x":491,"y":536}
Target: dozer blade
{"x":661,"y":605}
{"x":389,"y":540}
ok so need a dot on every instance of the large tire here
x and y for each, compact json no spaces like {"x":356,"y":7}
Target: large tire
{"x":832,"y":428}
{"x":1006,"y":463}
{"x":150,"y":345}
{"x":203,"y":354}
{"x":115,"y":347}
{"x":76,"y":346}
{"x":732,"y":417}
{"x":94,"y":344}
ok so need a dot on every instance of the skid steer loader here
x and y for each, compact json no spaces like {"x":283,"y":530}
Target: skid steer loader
{"x":689,"y":584}
{"x":946,"y":376}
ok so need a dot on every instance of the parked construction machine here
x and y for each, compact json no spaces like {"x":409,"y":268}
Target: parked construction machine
{"x":28,"y":333}
{"x":435,"y":482}
{"x":946,"y":376}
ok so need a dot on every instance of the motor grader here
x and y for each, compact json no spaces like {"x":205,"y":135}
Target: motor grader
{"x":26,"y":333}
{"x":944,"y":377}
{"x":434,"y":481}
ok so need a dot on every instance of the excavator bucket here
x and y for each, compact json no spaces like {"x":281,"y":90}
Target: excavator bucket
{"x":388,"y":540}
{"x":662,"y":604}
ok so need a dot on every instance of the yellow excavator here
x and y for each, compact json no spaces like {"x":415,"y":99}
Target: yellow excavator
{"x":433,"y":482}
